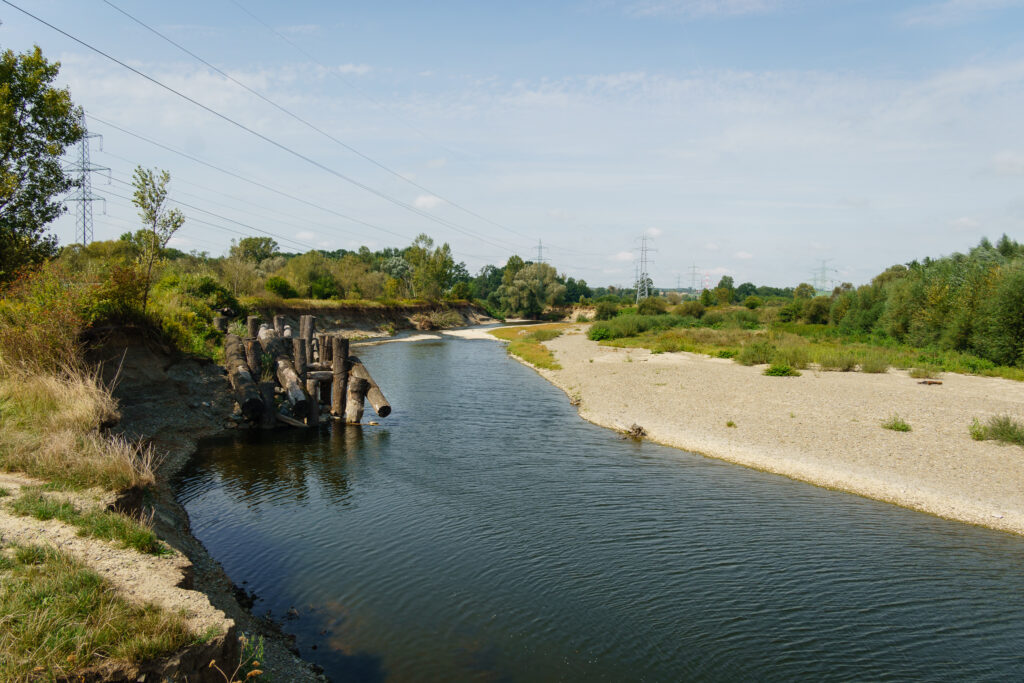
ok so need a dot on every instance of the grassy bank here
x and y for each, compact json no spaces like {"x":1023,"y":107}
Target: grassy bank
{"x":60,"y":617}
{"x":525,"y":342}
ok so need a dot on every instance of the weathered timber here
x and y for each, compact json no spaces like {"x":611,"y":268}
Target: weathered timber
{"x":308,"y":336}
{"x":253,"y":359}
{"x":220,"y":323}
{"x":313,"y":415}
{"x":290,"y":421}
{"x":274,"y":347}
{"x":287,"y":333}
{"x":252,"y":322}
{"x":299,"y":356}
{"x":269,"y":417}
{"x":375,"y":396}
{"x":279,"y":324}
{"x":319,"y":375}
{"x":325,"y":391}
{"x":339,"y":385}
{"x":357,"y":388}
{"x":246,"y":392}
{"x":324,"y":341}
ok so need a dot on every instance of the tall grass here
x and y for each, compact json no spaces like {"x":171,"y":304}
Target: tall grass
{"x":60,"y":617}
{"x":50,"y":428}
{"x":999,"y":428}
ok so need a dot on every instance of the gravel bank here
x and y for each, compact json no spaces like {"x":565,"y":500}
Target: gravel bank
{"x":823,"y":427}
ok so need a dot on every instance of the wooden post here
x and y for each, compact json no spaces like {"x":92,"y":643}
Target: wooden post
{"x":269,"y":418}
{"x":325,"y":390}
{"x":357,"y":388}
{"x":339,"y":367}
{"x":313,"y":414}
{"x":325,"y":347}
{"x":273,"y":346}
{"x":253,"y":323}
{"x":246,"y":392}
{"x":374,"y":395}
{"x":299,"y":356}
{"x":252,"y":357}
{"x":279,"y":324}
{"x":221,"y":323}
{"x":308,"y":336}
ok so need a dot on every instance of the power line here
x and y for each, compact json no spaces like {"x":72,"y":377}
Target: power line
{"x":83,"y":196}
{"x":265,"y":138}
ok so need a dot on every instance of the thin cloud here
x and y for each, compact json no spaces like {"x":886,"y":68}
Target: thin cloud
{"x":654,"y":232}
{"x":696,"y":9}
{"x":744,"y":255}
{"x":1008,"y":164}
{"x":427,"y":201}
{"x":621,"y":256}
{"x":955,"y":11}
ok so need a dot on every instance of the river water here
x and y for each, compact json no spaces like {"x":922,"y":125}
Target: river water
{"x":485,"y":532}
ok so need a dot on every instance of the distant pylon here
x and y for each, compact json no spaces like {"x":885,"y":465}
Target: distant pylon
{"x":642,"y":290}
{"x":83,"y":194}
{"x":540,"y":252}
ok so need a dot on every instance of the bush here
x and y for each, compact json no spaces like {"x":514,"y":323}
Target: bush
{"x":924,"y":372}
{"x":874,"y":363}
{"x":600,"y":332}
{"x":756,"y":353}
{"x":281,"y":287}
{"x":796,"y":356}
{"x":712,"y":318}
{"x":653,"y":305}
{"x":1000,"y":428}
{"x":606,"y":310}
{"x":780,"y":370}
{"x":691,"y":308}
{"x":753,"y":301}
{"x":837,"y":360}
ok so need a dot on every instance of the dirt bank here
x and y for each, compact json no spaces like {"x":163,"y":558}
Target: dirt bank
{"x":172,"y":403}
{"x":366,"y":319}
{"x":823,"y":427}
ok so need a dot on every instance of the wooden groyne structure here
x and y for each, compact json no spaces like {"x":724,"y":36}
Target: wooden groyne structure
{"x":311,"y":373}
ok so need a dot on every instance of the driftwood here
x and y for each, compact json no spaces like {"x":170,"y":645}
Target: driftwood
{"x":274,"y":347}
{"x":299,"y":356}
{"x":319,"y":375}
{"x":374,"y":395}
{"x":290,"y":421}
{"x":339,"y":385}
{"x":357,"y":389}
{"x":253,"y":359}
{"x":246,"y":392}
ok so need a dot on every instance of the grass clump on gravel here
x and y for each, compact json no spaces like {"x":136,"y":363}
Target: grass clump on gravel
{"x":896,"y":424}
{"x":49,"y":429}
{"x":102,"y":524}
{"x":60,"y":617}
{"x":781,"y":370}
{"x":525,"y":342}
{"x":1001,"y":428}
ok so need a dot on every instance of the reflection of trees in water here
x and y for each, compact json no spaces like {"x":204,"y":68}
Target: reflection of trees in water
{"x":286,"y":464}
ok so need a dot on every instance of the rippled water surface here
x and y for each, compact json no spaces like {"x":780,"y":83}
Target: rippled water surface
{"x":485,"y":532}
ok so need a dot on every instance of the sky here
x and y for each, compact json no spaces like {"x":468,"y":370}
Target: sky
{"x":761,"y":139}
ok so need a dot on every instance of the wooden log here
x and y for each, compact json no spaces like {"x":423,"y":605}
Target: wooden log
{"x":299,"y":356}
{"x":252,"y":322}
{"x":246,"y":392}
{"x":325,"y":347}
{"x":269,"y":417}
{"x":279,"y":324}
{"x":310,"y":331}
{"x":220,"y":323}
{"x":319,"y":375}
{"x":357,"y":388}
{"x":274,"y":347}
{"x":290,"y":421}
{"x":253,"y":353}
{"x":313,"y":414}
{"x":339,"y":385}
{"x":375,"y":396}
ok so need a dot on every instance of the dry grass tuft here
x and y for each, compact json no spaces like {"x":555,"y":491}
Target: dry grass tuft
{"x":50,"y":428}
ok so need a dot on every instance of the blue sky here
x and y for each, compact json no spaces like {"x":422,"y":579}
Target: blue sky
{"x":754,"y":138}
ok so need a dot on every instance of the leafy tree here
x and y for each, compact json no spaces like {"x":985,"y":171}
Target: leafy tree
{"x":753,"y":301}
{"x":37,"y":123}
{"x":487,"y":281}
{"x":281,"y":287}
{"x":512,"y":267}
{"x":576,"y":289}
{"x":533,"y":287}
{"x":706,"y":298}
{"x":160,"y":221}
{"x":726,"y":282}
{"x":803,"y":291}
{"x":652,"y":305}
{"x":432,"y":267}
{"x":254,"y":249}
{"x":744,"y":290}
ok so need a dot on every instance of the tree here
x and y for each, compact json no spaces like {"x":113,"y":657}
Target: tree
{"x":432,"y":267}
{"x":255,"y":250}
{"x":803,"y":291}
{"x":160,"y":222}
{"x":37,"y":123}
{"x":512,"y":267}
{"x":534,"y":287}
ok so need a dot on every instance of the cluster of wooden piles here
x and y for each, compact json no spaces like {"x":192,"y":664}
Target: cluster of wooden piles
{"x":312,"y":371}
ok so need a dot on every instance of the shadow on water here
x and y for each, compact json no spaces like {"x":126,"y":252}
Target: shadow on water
{"x":485,"y":532}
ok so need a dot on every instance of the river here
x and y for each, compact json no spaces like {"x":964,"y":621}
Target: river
{"x":485,"y":532}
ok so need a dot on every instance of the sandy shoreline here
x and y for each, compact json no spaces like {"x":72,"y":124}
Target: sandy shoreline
{"x":822,"y":428}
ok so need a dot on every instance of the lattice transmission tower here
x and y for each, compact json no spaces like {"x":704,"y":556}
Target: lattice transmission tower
{"x":82,"y":195}
{"x":643,"y":289}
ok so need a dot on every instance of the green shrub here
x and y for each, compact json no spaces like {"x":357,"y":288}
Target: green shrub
{"x":756,"y":353}
{"x":712,"y":318}
{"x":726,"y":353}
{"x":753,"y":301}
{"x":796,"y":356}
{"x":837,"y":360}
{"x":606,"y":310}
{"x":924,"y":372}
{"x":896,"y":424}
{"x":600,"y":332}
{"x":653,"y":305}
{"x":583,"y":318}
{"x":781,"y":370}
{"x":281,"y":287}
{"x":690,"y":308}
